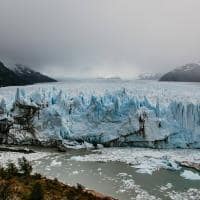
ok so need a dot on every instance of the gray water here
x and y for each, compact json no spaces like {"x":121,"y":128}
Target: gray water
{"x":117,"y":179}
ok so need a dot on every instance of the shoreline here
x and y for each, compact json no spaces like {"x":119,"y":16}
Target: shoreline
{"x":18,"y":182}
{"x":34,"y":149}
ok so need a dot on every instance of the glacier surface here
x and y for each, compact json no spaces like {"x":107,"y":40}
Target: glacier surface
{"x":112,"y":118}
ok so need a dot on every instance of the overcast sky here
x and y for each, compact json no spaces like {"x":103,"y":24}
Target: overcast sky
{"x":93,"y":38}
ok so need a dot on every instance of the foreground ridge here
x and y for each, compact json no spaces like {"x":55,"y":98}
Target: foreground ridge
{"x":18,"y":183}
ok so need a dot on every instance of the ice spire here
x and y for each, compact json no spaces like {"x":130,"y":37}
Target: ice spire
{"x":17,"y":96}
{"x":3,"y":105}
{"x":157,"y":108}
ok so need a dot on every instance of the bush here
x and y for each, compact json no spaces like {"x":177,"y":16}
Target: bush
{"x":37,"y":192}
{"x":25,"y":166}
{"x":55,"y":180}
{"x":11,"y":170}
{"x":2,"y":172}
{"x":37,"y":176}
{"x":4,"y":191}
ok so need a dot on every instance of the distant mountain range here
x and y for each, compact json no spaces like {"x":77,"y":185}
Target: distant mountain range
{"x":187,"y":73}
{"x":112,"y":78}
{"x":21,"y":75}
{"x":150,"y":76}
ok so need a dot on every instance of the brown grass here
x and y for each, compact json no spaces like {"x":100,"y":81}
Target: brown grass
{"x":20,"y":188}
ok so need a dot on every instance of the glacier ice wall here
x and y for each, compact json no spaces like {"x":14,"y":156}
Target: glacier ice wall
{"x":112,"y":119}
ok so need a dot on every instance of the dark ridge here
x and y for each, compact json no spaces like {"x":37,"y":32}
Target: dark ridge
{"x":21,"y":75}
{"x":186,"y":73}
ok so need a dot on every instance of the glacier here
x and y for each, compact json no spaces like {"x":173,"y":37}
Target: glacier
{"x":118,"y":118}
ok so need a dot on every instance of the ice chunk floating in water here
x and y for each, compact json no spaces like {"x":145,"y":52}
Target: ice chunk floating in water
{"x":145,"y":161}
{"x":190,"y":175}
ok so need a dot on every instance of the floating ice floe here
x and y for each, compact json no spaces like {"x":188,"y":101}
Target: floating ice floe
{"x":191,"y":194}
{"x":166,"y":187}
{"x":75,"y":172}
{"x":129,"y":184}
{"x":151,"y":164}
{"x":55,"y":163}
{"x":5,"y":157}
{"x":144,"y":160}
{"x":190,"y":175}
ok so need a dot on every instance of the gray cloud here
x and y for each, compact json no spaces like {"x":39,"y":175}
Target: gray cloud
{"x":100,"y":37}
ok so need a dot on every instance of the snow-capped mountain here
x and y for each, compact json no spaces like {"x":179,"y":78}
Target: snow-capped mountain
{"x":187,"y":73}
{"x":20,"y":75}
{"x":30,"y":76}
{"x":150,"y":76}
{"x":7,"y":76}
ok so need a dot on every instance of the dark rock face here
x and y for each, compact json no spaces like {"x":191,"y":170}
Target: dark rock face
{"x":30,"y":76}
{"x":186,"y":73}
{"x":21,"y":75}
{"x":8,"y":77}
{"x":25,"y":116}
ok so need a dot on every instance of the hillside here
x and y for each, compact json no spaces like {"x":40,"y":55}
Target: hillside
{"x":21,"y":75}
{"x":17,"y":182}
{"x":187,"y":73}
{"x":8,"y":77}
{"x":30,"y":76}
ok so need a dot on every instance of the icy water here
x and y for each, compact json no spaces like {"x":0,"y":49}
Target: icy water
{"x":124,"y":173}
{"x":118,"y":179}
